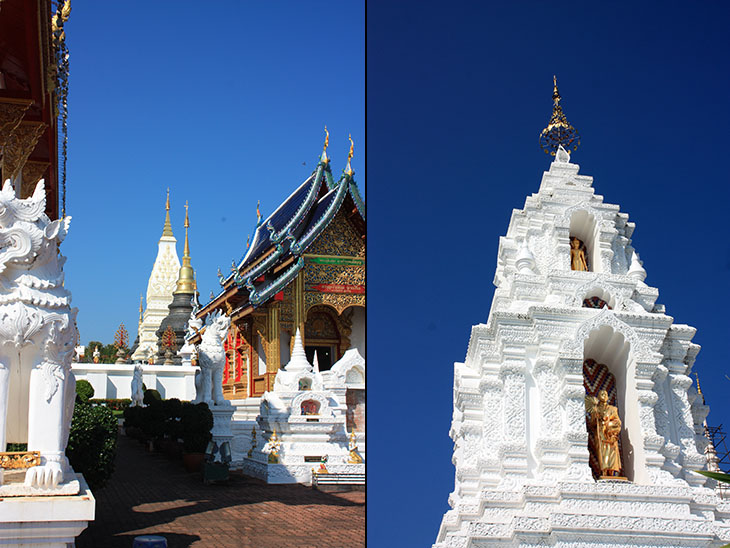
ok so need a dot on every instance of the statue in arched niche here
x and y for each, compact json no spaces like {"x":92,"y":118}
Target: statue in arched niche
{"x":578,"y":255}
{"x":605,"y":424}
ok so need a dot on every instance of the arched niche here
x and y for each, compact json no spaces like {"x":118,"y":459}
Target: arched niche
{"x":309,"y":407}
{"x":596,"y":295}
{"x":583,"y":226}
{"x":609,"y":347}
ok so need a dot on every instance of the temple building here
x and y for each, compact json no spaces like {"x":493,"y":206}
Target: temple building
{"x":304,"y":268}
{"x":33,"y":98}
{"x":302,"y":274}
{"x":161,"y":284}
{"x":575,"y":420}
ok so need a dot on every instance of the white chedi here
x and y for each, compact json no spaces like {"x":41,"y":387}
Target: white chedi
{"x":37,"y":335}
{"x":212,"y":360}
{"x":521,"y":444}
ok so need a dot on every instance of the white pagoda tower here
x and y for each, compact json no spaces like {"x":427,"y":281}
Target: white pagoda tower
{"x":161,"y":284}
{"x":536,"y":463}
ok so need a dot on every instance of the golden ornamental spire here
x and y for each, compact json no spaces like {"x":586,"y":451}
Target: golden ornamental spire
{"x":141,"y":310}
{"x":186,"y":280}
{"x":324,"y":157}
{"x":558,"y":131}
{"x":167,"y":230}
{"x":699,"y":390}
{"x":350,"y":154}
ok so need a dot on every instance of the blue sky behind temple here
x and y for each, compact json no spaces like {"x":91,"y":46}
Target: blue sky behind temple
{"x":225,"y":103}
{"x":457,"y":95}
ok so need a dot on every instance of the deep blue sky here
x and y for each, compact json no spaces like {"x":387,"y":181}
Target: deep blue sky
{"x":457,"y":95}
{"x":223,"y":102}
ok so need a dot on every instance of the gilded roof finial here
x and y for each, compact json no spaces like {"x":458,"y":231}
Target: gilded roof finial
{"x":350,"y":154}
{"x":258,"y":213}
{"x":324,"y":159}
{"x":167,"y":230}
{"x":186,"y":280}
{"x":558,"y":131}
{"x":699,"y":390}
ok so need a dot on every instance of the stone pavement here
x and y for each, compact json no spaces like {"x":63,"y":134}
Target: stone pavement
{"x":149,"y":494}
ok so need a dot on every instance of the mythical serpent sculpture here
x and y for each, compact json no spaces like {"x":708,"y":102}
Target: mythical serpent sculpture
{"x":212,"y":360}
{"x":37,"y":336}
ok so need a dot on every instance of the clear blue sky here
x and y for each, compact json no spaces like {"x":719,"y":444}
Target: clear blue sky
{"x":457,"y":95}
{"x":225,"y":103}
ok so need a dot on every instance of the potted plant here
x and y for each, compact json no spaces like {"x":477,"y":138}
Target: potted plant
{"x":196,"y":423}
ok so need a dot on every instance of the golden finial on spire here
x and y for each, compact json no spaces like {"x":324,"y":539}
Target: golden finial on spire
{"x":141,"y":310}
{"x":186,"y":280}
{"x":350,"y":154}
{"x":558,"y":131}
{"x":699,"y":390}
{"x":167,"y":230}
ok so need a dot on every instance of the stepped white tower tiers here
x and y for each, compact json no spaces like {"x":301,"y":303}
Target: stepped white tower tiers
{"x":523,"y":476}
{"x":159,"y":289}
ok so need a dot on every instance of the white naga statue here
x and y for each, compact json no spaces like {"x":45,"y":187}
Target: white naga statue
{"x":37,"y":336}
{"x":137,"y":390}
{"x":212,"y":359}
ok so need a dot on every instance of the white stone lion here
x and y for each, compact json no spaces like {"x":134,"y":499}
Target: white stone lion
{"x":212,"y":359}
{"x":37,"y":336}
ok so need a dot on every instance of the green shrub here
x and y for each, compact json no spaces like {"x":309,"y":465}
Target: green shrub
{"x":84,"y":391}
{"x":115,"y":404}
{"x":150,"y":396}
{"x":92,"y":443}
{"x":196,"y":423}
{"x":133,"y":417}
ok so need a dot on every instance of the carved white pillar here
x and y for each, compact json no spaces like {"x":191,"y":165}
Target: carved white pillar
{"x":690,"y":459}
{"x":575,"y":436}
{"x":514,"y":449}
{"x":550,"y":447}
{"x":647,"y":399}
{"x":490,"y":462}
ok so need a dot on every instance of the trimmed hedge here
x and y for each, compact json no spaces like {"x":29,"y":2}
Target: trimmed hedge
{"x":92,"y":443}
{"x":84,"y":391}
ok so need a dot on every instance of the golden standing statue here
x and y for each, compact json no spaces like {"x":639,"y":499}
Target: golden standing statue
{"x":606,"y":424}
{"x":578,"y":255}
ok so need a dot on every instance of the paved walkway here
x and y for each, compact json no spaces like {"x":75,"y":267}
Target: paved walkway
{"x":149,"y":494}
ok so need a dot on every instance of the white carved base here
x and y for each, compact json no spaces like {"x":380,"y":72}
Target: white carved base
{"x":14,"y":486}
{"x":50,"y":522}
{"x":292,"y":473}
{"x":222,"y":423}
{"x":579,"y":515}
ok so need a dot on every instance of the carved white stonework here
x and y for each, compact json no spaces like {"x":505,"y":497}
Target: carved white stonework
{"x":308,"y":411}
{"x":160,"y":286}
{"x":519,"y":421}
{"x":212,"y":360}
{"x":137,"y":391}
{"x":37,"y":339}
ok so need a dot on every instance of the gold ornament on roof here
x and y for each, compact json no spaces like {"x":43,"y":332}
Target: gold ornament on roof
{"x":558,"y":131}
{"x":350,"y":154}
{"x":327,"y":138}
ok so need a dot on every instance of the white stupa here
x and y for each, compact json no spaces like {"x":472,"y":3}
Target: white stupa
{"x":159,"y":290}
{"x":526,"y":472}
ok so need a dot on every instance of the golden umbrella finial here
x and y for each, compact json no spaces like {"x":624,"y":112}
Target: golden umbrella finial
{"x":186,"y":279}
{"x":167,"y":230}
{"x":350,"y":154}
{"x":558,"y":131}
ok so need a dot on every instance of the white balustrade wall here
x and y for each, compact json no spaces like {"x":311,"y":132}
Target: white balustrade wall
{"x":112,"y":380}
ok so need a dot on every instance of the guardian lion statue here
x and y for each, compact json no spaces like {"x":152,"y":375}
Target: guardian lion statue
{"x":37,"y":336}
{"x":212,"y":360}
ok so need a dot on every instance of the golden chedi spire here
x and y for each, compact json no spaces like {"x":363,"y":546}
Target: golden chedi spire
{"x":186,"y":280}
{"x":167,"y":231}
{"x":558,"y":131}
{"x":141,"y":311}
